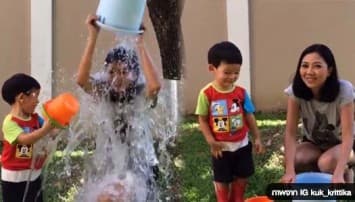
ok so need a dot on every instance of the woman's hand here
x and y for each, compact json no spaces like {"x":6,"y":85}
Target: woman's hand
{"x":338,"y":178}
{"x":288,"y":178}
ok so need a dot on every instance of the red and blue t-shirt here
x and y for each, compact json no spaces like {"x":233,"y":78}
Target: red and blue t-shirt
{"x":17,"y":156}
{"x":226,"y":111}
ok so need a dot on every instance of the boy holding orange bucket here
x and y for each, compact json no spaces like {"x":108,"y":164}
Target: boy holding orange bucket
{"x":22,"y":128}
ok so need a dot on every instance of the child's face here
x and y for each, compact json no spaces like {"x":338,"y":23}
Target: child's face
{"x":226,"y":74}
{"x":120,"y":76}
{"x":314,"y":71}
{"x":28,"y":101}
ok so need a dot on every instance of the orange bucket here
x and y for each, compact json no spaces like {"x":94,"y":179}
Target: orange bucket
{"x":258,"y":199}
{"x":61,"y":109}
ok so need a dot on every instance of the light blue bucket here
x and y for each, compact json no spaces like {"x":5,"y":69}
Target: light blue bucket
{"x":313,"y":177}
{"x":121,"y":15}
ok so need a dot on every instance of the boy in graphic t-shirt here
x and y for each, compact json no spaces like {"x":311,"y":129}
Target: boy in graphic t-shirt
{"x":225,"y":114}
{"x":21,"y":129}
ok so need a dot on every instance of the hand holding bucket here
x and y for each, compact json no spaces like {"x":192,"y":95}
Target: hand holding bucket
{"x":121,"y":15}
{"x":61,"y":109}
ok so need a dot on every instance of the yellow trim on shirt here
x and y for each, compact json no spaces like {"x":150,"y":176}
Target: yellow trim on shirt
{"x":11,"y":129}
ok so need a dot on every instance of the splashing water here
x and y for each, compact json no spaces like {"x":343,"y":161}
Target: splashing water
{"x":129,"y":165}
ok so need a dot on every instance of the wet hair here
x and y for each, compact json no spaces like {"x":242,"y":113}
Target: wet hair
{"x":16,"y":84}
{"x":130,"y":58}
{"x":330,"y":90}
{"x":226,"y":52}
{"x":124,"y":55}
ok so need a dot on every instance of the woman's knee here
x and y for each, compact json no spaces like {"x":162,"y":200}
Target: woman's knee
{"x":327,"y":162}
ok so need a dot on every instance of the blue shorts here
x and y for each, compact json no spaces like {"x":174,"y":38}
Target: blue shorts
{"x":233,"y":164}
{"x":14,"y":192}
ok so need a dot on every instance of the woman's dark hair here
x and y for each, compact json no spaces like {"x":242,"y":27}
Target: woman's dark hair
{"x":224,"y":51}
{"x":330,"y":90}
{"x":16,"y":84}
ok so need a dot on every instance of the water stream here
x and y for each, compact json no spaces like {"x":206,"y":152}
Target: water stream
{"x":123,"y":166}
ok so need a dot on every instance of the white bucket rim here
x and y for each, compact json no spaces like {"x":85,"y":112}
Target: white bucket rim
{"x":116,"y":29}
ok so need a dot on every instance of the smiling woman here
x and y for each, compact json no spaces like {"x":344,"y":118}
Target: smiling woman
{"x":314,"y":72}
{"x":326,"y":106}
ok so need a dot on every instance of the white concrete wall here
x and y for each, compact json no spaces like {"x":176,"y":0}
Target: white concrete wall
{"x":238,"y":33}
{"x":42,"y":45}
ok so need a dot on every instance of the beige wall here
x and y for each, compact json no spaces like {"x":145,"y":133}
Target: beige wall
{"x":69,"y":40}
{"x":281,"y":29}
{"x":14,"y":41}
{"x":203,"y":24}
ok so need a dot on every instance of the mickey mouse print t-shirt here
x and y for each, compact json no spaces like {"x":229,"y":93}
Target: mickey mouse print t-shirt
{"x":226,"y":111}
{"x":17,"y":158}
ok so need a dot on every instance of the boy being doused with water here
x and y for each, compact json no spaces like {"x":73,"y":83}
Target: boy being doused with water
{"x":121,"y":82}
{"x":120,"y":85}
{"x":122,"y":68}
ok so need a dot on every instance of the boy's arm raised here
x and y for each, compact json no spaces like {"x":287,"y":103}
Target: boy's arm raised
{"x":149,"y":70}
{"x":86,"y":59}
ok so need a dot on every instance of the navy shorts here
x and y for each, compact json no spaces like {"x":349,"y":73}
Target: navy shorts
{"x":13,"y":192}
{"x":233,"y":164}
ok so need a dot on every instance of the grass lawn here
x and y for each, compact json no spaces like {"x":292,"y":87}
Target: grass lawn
{"x":192,"y":181}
